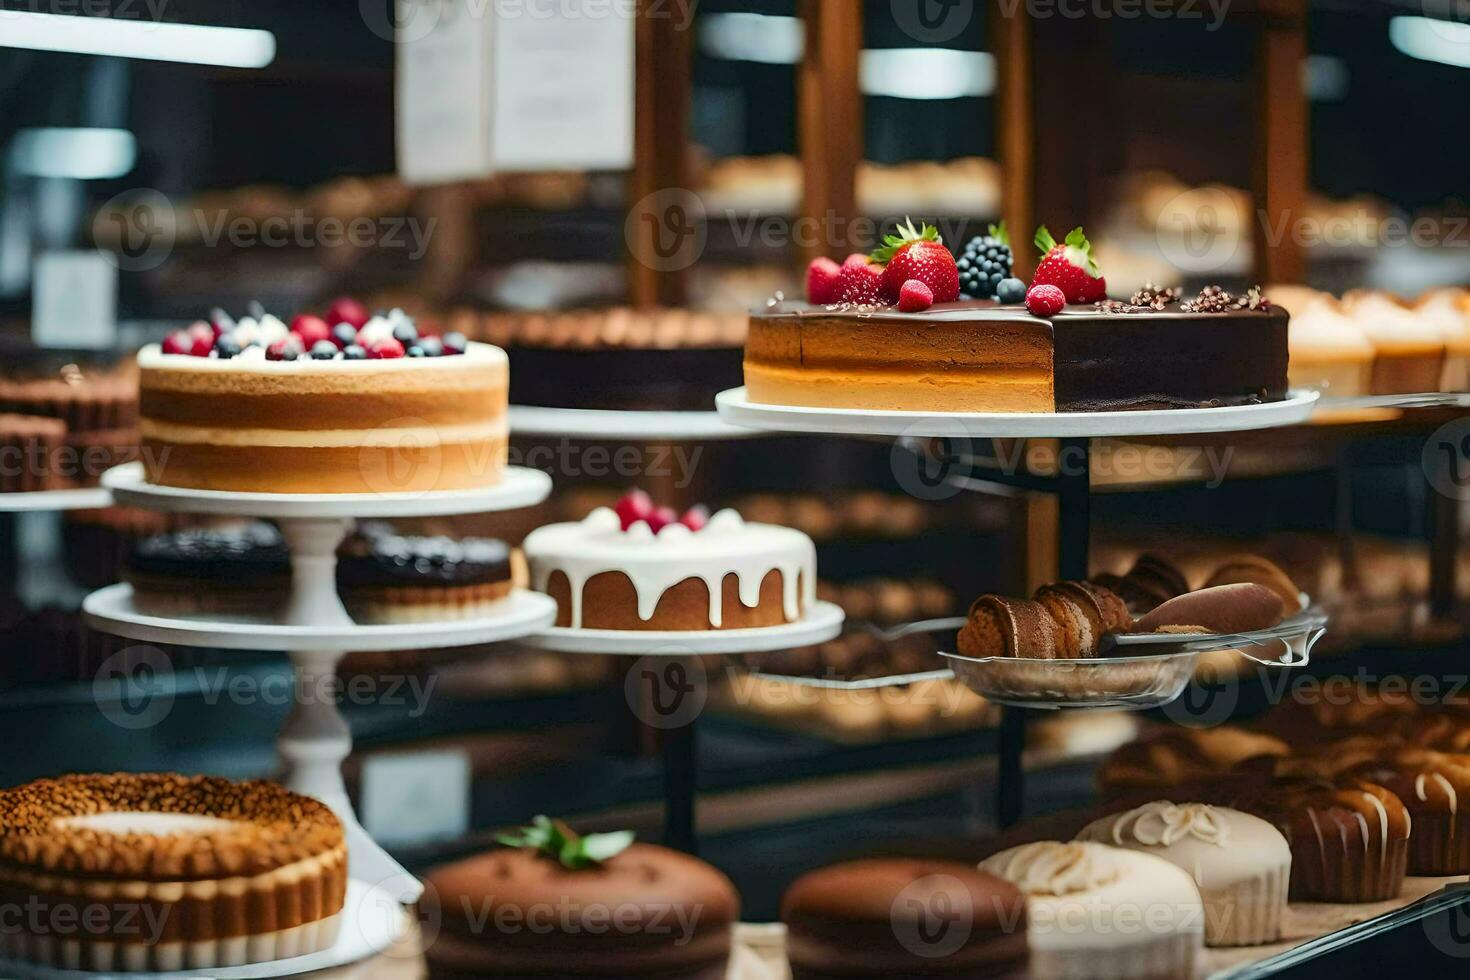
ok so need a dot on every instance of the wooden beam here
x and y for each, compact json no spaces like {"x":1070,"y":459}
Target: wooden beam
{"x":659,"y":188}
{"x":1281,"y":151}
{"x":1016,"y":137}
{"x":830,"y":125}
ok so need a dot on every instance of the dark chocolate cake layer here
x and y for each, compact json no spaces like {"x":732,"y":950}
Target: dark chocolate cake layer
{"x":246,"y":556}
{"x":378,"y":557}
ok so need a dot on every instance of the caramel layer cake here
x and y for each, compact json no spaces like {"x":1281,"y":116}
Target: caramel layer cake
{"x":325,"y":426}
{"x":976,"y":356}
{"x":156,"y":872}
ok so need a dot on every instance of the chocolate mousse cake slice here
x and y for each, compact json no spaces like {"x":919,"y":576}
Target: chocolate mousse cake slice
{"x":157,"y":872}
{"x":978,"y":356}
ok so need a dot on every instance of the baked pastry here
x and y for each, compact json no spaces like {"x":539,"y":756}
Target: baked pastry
{"x":1103,"y":912}
{"x":384,"y":577}
{"x":29,"y":445}
{"x":1343,"y":706}
{"x":1260,"y":571}
{"x":246,"y":413}
{"x":620,"y":358}
{"x":236,"y":569}
{"x":877,"y":918}
{"x":1178,"y":756}
{"x":1330,"y":351}
{"x":975,"y":356}
{"x":1152,"y":581}
{"x":98,"y":405}
{"x":1084,"y":613}
{"x":564,"y":905}
{"x":1240,"y":862}
{"x":998,"y":626}
{"x":1449,"y":311}
{"x":1349,"y":840}
{"x":1433,"y":787}
{"x":1410,"y":350}
{"x":693,"y":573}
{"x":229,"y":873}
{"x":1224,"y":609}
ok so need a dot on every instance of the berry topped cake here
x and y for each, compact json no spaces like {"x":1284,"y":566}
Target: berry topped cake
{"x":641,"y":567}
{"x":1057,"y":345}
{"x":349,"y":403}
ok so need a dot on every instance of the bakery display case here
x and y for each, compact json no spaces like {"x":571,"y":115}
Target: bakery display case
{"x":769,"y":595}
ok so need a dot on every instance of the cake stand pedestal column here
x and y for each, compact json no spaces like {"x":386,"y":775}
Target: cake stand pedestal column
{"x":313,"y":544}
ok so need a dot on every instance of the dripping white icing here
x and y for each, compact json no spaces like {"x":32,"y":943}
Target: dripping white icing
{"x":1382,"y":825}
{"x":655,"y":563}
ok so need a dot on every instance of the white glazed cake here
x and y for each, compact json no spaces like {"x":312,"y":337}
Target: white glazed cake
{"x":1104,"y":913}
{"x":1240,"y":862}
{"x":608,"y":572}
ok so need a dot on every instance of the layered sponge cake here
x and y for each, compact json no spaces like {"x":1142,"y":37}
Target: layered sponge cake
{"x":980,"y":356}
{"x":325,"y":426}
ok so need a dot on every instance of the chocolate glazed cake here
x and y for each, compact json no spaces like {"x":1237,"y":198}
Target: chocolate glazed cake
{"x":977,"y":356}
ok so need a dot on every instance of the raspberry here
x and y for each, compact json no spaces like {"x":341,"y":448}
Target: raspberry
{"x":915,"y":297}
{"x":1045,"y":299}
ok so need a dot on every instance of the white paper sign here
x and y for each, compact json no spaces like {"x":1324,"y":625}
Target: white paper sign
{"x":75,"y":301}
{"x":413,"y":797}
{"x":521,"y":85}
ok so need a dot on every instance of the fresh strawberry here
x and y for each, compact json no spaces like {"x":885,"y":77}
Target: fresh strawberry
{"x":1068,"y":266}
{"x":918,"y":253}
{"x":386,"y":349}
{"x":310,"y":329}
{"x":1097,"y":290}
{"x":345,"y":309}
{"x":915,"y":297}
{"x":861,"y":281}
{"x":1045,"y":300}
{"x":634,"y":506}
{"x":178,"y":342}
{"x":695,"y":518}
{"x":823,"y":281}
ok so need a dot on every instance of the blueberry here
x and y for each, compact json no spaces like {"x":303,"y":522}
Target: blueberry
{"x":405,"y":333}
{"x":1011,"y":291}
{"x":323,"y":350}
{"x":414,"y":351}
{"x":344,"y":334}
{"x":353,"y":352}
{"x":454,"y":343}
{"x":431,"y":346}
{"x":226,"y":347}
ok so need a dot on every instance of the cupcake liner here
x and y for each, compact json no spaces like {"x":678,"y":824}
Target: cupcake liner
{"x":1439,"y":844}
{"x":1249,"y":914}
{"x":1356,"y":876}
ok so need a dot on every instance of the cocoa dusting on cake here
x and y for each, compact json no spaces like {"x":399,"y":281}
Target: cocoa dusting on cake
{"x":1149,"y":299}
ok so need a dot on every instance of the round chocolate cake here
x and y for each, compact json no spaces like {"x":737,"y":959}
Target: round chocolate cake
{"x":645,"y":912}
{"x":386,"y":577}
{"x":903,"y":918}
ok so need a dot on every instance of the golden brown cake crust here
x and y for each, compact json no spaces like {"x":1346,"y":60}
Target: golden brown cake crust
{"x":272,"y":827}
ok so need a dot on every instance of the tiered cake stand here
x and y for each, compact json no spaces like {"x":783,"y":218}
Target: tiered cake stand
{"x":315,"y":631}
{"x":943,"y":438}
{"x":596,"y":423}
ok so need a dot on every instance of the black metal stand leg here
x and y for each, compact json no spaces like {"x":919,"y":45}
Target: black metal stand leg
{"x":1074,"y":505}
{"x":9,"y":553}
{"x":1444,"y":547}
{"x":681,"y":785}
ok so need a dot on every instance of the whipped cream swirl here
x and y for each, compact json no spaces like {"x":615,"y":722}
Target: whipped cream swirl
{"x":1161,"y":823}
{"x":1055,"y":867}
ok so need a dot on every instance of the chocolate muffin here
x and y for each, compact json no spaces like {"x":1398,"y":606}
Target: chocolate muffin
{"x":887,"y":918}
{"x":1432,"y":786}
{"x":244,"y":568}
{"x":385,"y":577}
{"x":554,"y":909}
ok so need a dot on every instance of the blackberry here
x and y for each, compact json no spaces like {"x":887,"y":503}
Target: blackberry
{"x":985,"y":261}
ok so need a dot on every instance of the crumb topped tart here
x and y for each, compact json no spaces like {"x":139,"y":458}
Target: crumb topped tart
{"x":164,"y":872}
{"x":315,"y":411}
{"x":638,"y":567}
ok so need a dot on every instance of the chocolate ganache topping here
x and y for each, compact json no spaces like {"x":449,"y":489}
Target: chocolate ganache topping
{"x":251,"y":552}
{"x":377,"y":555}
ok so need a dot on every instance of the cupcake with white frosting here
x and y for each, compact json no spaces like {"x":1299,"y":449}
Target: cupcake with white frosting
{"x":1241,"y":863}
{"x":1104,"y":913}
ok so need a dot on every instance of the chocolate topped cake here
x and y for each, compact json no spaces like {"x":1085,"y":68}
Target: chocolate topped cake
{"x":980,"y":356}
{"x":238,"y":568}
{"x":556,"y":904}
{"x":386,"y":577}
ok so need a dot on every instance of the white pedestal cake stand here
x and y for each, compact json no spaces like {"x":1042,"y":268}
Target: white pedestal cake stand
{"x":83,"y":498}
{"x":735,"y":407}
{"x":315,"y":630}
{"x":594,"y":423}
